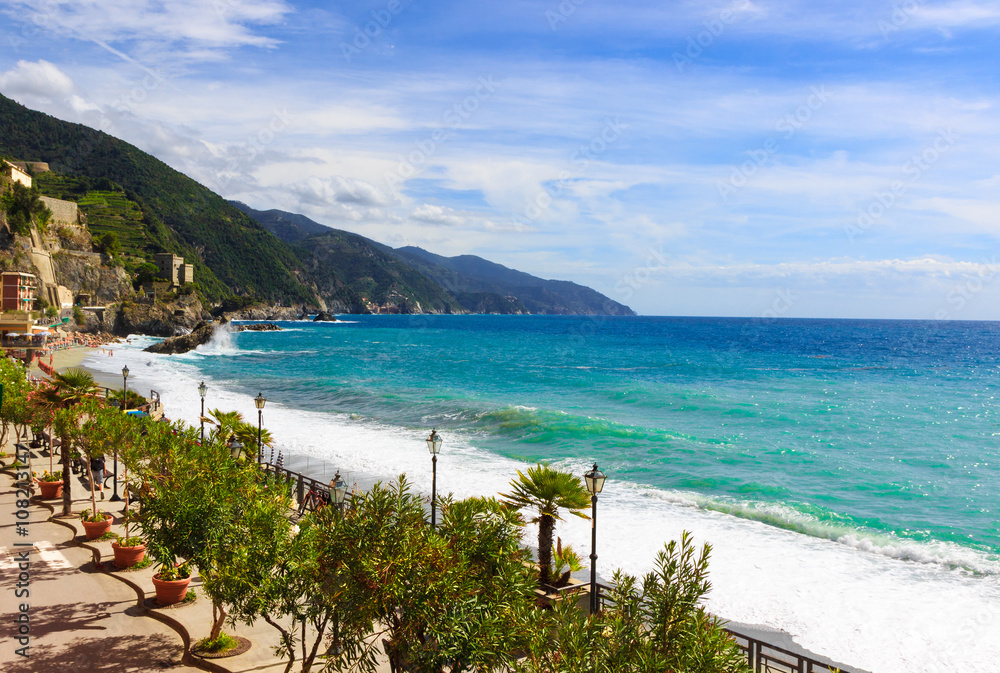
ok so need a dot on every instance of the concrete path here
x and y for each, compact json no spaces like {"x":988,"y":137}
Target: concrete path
{"x":86,"y":615}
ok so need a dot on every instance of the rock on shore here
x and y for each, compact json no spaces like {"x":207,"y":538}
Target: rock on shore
{"x":202,"y":333}
{"x":323,"y":316}
{"x":257,"y":327}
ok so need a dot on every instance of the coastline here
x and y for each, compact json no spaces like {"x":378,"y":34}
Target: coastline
{"x":300,"y":432}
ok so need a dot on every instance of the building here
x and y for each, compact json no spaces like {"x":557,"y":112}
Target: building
{"x":17,"y":291}
{"x":16,"y":174}
{"x":173,"y":268}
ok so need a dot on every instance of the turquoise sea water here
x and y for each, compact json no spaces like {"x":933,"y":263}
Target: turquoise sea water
{"x":886,"y":426}
{"x":846,"y":471}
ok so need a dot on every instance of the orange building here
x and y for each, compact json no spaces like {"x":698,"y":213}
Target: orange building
{"x":17,"y":291}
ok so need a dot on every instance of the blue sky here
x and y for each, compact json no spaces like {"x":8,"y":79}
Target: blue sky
{"x":745,"y":157}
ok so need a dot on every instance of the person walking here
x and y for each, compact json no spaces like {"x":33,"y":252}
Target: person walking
{"x":97,"y":474}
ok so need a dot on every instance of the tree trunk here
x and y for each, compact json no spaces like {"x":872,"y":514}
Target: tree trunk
{"x":286,"y":638}
{"x":219,"y":617}
{"x":546,"y":526}
{"x":67,"y":480}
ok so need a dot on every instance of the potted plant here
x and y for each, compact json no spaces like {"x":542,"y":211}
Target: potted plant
{"x":129,"y":550}
{"x":172,"y":583}
{"x":96,"y":524}
{"x":51,"y":484}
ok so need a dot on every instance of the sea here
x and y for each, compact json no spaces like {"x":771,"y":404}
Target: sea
{"x":845,"y":472}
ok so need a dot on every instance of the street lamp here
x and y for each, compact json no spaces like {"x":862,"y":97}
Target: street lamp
{"x":235,"y":448}
{"x":434,"y":446}
{"x":202,"y":389}
{"x":338,"y":489}
{"x":259,"y":401}
{"x":125,"y":391}
{"x":595,"y":484}
{"x":114,"y":496}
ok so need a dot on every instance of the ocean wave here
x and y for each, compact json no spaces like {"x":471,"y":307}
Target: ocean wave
{"x":784,"y":516}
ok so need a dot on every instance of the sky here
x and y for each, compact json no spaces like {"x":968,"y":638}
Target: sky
{"x":737,"y":158}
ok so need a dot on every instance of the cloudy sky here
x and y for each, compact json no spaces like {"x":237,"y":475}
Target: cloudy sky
{"x":742,"y":157}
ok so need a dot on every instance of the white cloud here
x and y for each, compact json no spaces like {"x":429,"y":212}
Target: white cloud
{"x":40,"y":80}
{"x":188,"y":29}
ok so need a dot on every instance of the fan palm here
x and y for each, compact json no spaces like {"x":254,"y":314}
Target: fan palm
{"x":65,"y":390}
{"x":547,"y":491}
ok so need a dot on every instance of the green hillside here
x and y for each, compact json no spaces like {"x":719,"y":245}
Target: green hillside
{"x":243,"y":258}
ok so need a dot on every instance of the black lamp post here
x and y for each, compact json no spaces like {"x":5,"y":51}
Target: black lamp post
{"x":259,"y":401}
{"x":235,"y":448}
{"x":338,"y":490}
{"x":595,"y":484}
{"x":114,"y":496}
{"x":202,"y":389}
{"x":434,"y":446}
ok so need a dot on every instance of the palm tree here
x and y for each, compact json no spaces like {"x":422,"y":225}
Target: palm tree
{"x":226,"y":424}
{"x":65,"y":390}
{"x":547,"y":491}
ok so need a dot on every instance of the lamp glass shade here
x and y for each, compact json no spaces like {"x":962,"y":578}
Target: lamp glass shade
{"x":595,"y":480}
{"x":338,"y":489}
{"x":434,"y":443}
{"x":125,"y":371}
{"x":260,"y":400}
{"x":202,"y":389}
{"x":235,"y":449}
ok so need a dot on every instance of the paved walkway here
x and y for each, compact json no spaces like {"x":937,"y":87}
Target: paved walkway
{"x":87,"y":616}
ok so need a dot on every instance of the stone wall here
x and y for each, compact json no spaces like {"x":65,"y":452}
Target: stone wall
{"x":64,"y":213}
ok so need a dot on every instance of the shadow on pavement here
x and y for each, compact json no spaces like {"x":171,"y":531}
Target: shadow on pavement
{"x":102,"y":654}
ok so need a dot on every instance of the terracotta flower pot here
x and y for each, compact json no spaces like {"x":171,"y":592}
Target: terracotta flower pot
{"x":169,"y":592}
{"x":126,"y":557}
{"x":50,"y":489}
{"x":96,"y":529}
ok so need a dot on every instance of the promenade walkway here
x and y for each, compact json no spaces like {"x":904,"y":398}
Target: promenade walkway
{"x":85,"y":615}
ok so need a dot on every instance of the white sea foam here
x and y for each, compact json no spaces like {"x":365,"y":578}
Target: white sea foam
{"x":881,"y":606}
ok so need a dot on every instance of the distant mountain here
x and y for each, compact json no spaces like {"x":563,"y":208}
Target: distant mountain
{"x":289,"y":227}
{"x":232,"y":253}
{"x":352,"y":273}
{"x":469,"y":275}
{"x":348,"y":266}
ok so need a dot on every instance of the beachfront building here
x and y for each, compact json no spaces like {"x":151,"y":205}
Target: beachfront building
{"x":17,"y":291}
{"x":173,"y":268}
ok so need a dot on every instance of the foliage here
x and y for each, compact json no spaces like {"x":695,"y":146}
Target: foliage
{"x":564,"y":562}
{"x":78,"y":317}
{"x":547,"y":491}
{"x":221,"y":643}
{"x":457,"y":596}
{"x":651,"y":626}
{"x":97,"y":516}
{"x":107,"y":243}
{"x":54,"y":401}
{"x":16,"y":409}
{"x":172,"y":573}
{"x":130,"y":542}
{"x":23,"y":208}
{"x":50,"y":476}
{"x":216,"y":513}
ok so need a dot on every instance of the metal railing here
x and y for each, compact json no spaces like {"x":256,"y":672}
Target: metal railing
{"x":763,"y":657}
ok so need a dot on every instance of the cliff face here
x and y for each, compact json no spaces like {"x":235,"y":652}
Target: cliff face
{"x":170,"y":318}
{"x":85,"y":272}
